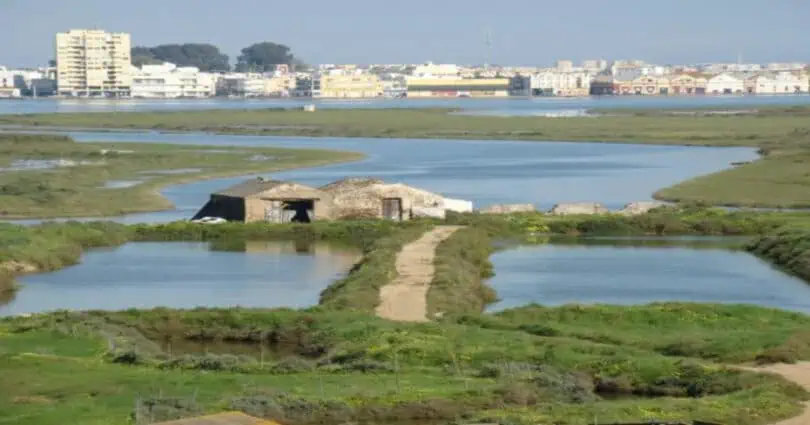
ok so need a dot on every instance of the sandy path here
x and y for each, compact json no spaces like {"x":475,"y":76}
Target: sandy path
{"x":405,"y":299}
{"x":798,"y":373}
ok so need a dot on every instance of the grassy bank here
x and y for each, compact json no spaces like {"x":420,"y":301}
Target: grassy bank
{"x":781,"y":133}
{"x":440,"y":123}
{"x":102,"y":179}
{"x":330,"y":367}
{"x":462,"y":264}
{"x":788,"y":249}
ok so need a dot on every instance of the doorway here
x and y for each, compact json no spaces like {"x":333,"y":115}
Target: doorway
{"x":392,"y":208}
{"x":290,"y":211}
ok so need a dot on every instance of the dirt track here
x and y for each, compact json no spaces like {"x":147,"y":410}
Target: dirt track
{"x":798,"y":373}
{"x":405,"y":299}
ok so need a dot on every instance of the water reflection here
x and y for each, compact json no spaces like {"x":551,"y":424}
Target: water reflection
{"x":6,"y":297}
{"x":187,"y":275}
{"x":640,"y":272}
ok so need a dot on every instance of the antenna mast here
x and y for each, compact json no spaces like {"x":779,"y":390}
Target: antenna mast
{"x":488,"y":44}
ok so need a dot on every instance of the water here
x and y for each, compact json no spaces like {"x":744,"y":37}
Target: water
{"x":508,"y":106}
{"x":485,"y":172}
{"x":625,"y":274}
{"x":187,"y":275}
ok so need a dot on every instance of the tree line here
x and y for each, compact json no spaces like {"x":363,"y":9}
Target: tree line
{"x":258,"y":57}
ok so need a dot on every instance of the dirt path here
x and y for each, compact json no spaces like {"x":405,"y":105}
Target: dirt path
{"x":405,"y":299}
{"x":798,"y":373}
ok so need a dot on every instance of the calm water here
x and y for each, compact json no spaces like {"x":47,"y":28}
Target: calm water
{"x":187,"y":275}
{"x":486,"y":172}
{"x":640,"y":274}
{"x":512,"y":106}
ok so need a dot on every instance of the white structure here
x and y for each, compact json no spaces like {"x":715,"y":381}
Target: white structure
{"x":458,"y":205}
{"x":564,"y":65}
{"x":555,"y":83}
{"x":780,"y":83}
{"x":725,"y":84}
{"x":93,"y":63}
{"x":241,"y":84}
{"x":430,"y":69}
{"x":595,"y":65}
{"x":167,"y":81}
{"x":8,"y":86}
{"x":792,"y":66}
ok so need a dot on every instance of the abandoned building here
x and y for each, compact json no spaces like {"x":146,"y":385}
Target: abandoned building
{"x":373,"y":198}
{"x":351,"y":198}
{"x":267,"y":200}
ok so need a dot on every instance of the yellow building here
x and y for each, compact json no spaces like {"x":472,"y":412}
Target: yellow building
{"x":93,"y":63}
{"x":282,"y":85}
{"x":354,"y":86}
{"x":458,"y":87}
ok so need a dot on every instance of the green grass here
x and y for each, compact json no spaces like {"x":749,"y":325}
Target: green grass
{"x":79,"y":190}
{"x":335,"y":362}
{"x":461,"y":266}
{"x":788,"y":249}
{"x":780,"y":180}
{"x":330,"y":367}
{"x":439,"y":123}
{"x":360,"y":290}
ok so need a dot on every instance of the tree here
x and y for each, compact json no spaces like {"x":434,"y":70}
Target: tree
{"x":263,"y":57}
{"x":207,"y":57}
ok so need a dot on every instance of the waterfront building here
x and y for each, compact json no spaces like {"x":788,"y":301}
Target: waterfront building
{"x":8,"y":87}
{"x":241,"y":85}
{"x":93,"y":63}
{"x":167,"y":81}
{"x":556,"y":83}
{"x":282,"y":85}
{"x":687,"y":84}
{"x":778,"y":83}
{"x":649,"y":85}
{"x":725,"y":83}
{"x":458,"y":87}
{"x":346,"y":86}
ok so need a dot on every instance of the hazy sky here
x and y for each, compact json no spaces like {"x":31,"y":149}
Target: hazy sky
{"x":528,"y":32}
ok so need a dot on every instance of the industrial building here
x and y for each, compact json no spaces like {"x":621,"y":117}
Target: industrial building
{"x":458,"y":87}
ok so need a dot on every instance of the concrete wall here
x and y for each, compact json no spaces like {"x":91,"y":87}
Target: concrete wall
{"x":255,"y":208}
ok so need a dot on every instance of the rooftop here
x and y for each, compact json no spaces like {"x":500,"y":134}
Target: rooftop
{"x":250,"y":187}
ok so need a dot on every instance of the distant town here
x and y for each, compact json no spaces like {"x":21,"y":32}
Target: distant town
{"x":98,"y":64}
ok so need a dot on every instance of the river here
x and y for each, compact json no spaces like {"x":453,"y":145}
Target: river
{"x":486,"y":172}
{"x":509,"y":106}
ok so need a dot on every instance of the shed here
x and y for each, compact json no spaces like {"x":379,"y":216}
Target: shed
{"x":373,"y":198}
{"x":228,"y":418}
{"x":273,"y":201}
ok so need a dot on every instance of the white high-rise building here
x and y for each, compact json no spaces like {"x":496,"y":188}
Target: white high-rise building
{"x":93,"y":63}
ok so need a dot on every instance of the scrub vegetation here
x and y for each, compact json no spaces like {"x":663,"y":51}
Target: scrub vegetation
{"x":530,"y":365}
{"x":53,"y":176}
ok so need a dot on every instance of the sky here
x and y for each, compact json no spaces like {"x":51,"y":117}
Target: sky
{"x":523,"y":32}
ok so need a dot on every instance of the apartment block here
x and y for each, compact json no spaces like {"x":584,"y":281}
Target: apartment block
{"x":168,"y":81}
{"x":352,"y":86}
{"x":93,"y":63}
